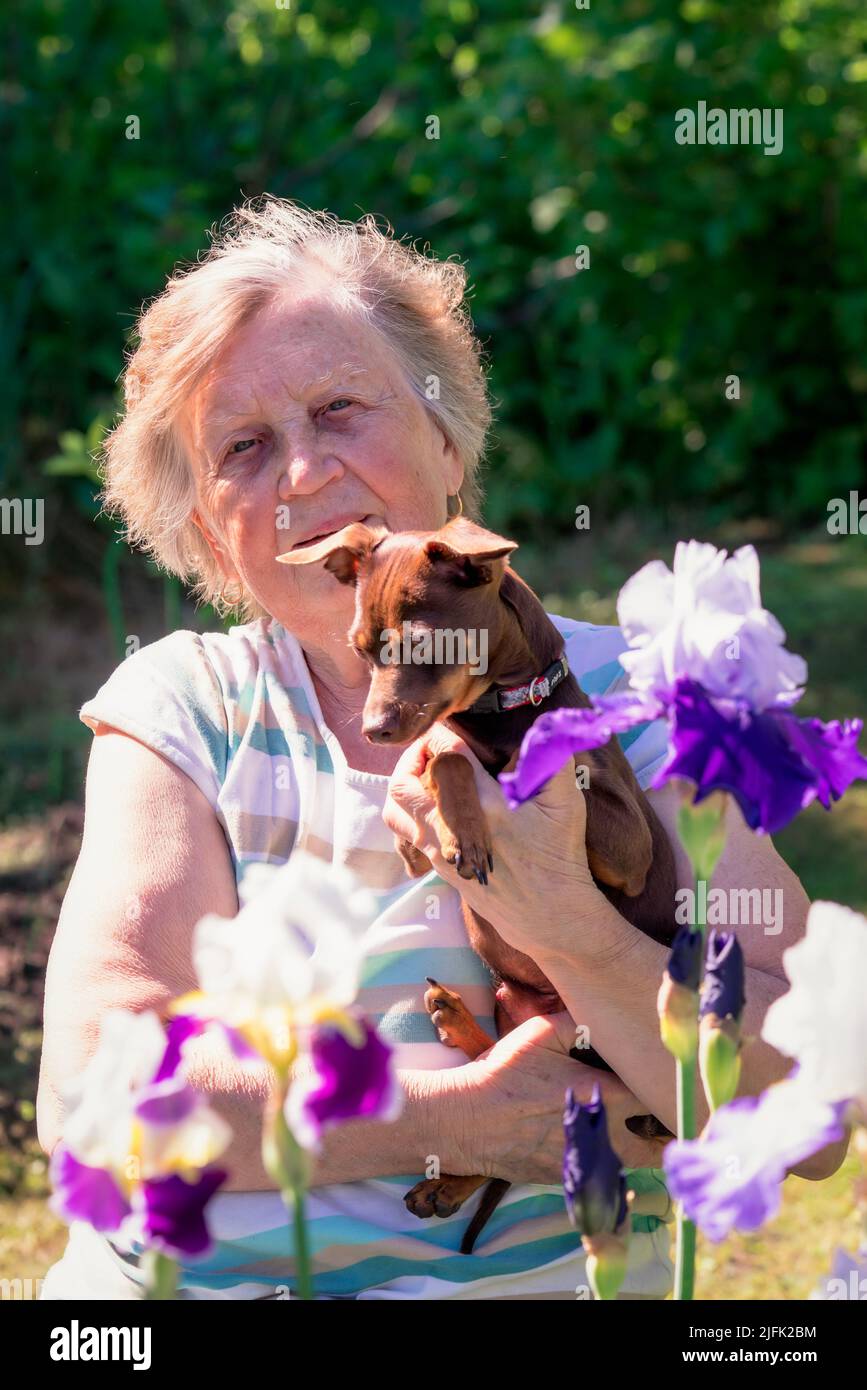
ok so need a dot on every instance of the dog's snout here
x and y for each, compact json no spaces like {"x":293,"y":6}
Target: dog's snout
{"x":381,"y":726}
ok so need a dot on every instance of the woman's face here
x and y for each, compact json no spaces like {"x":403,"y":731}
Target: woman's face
{"x":304,"y":423}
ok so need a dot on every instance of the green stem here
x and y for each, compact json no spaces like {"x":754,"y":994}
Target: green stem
{"x":287,"y":1164}
{"x":684,"y":1257}
{"x":294,"y":1197}
{"x":162,"y":1276}
{"x":685,"y":1237}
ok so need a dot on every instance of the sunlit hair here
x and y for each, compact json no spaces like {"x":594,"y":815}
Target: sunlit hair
{"x":266,"y":245}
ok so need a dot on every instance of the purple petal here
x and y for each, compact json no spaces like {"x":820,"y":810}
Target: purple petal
{"x":773,"y":764}
{"x":730,"y":1179}
{"x":684,"y":963}
{"x":179,"y":1030}
{"x":594,"y":1184}
{"x":557,"y":735}
{"x":830,"y":751}
{"x":353,"y":1081}
{"x":240,"y":1048}
{"x":747,"y":755}
{"x":186,"y":1026}
{"x":85,"y":1194}
{"x":723,"y":991}
{"x":168,"y":1103}
{"x":172,"y":1213}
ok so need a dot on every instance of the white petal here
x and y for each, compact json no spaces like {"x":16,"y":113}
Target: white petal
{"x":822,"y":1020}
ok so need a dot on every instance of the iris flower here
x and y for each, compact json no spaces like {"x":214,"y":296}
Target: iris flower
{"x":821,"y":1021}
{"x":594,"y":1186}
{"x":593,"y":1178}
{"x":280,"y":979}
{"x":731,"y":1176}
{"x":139,"y":1143}
{"x":705,"y":655}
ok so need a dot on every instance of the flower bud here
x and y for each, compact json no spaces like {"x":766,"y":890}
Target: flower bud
{"x":677,"y":1001}
{"x":593,"y":1180}
{"x":722,"y":1005}
{"x":606,"y":1264}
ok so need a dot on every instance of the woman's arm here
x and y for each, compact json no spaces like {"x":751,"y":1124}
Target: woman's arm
{"x":542,"y":900}
{"x":614,"y":988}
{"x":154,"y":860}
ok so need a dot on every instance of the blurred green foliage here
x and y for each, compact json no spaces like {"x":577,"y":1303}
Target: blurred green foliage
{"x":556,"y":130}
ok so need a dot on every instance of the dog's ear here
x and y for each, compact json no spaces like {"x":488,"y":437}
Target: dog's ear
{"x":343,"y":552}
{"x":468,"y":549}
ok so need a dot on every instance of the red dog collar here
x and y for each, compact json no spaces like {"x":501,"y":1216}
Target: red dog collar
{"x":501,"y":698}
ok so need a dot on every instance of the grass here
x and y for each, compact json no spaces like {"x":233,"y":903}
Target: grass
{"x":31,"y":1238}
{"x":787,"y":1257}
{"x":817,"y":586}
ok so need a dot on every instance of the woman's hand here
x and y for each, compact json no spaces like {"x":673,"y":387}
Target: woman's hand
{"x":540,"y":875}
{"x":510,"y":1115}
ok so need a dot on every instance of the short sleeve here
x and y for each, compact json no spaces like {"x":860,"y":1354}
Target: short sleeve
{"x":593,"y":654}
{"x":168,"y":697}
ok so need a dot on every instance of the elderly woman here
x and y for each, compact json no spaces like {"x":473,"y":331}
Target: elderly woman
{"x":317,"y":371}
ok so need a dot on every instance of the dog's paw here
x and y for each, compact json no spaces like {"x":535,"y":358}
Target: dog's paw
{"x":440,"y":1196}
{"x":453,"y":1021}
{"x":471,"y":854}
{"x":448,"y":1012}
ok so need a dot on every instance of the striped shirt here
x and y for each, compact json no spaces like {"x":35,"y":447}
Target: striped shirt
{"x":238,"y":713}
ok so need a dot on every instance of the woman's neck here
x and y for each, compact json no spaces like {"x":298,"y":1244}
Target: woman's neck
{"x":341,"y":689}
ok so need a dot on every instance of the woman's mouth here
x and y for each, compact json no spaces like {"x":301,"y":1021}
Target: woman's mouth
{"x":332,"y":529}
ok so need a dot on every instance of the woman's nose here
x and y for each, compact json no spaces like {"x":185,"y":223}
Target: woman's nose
{"x":306,"y":470}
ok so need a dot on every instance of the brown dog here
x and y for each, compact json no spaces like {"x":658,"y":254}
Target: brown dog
{"x":457,"y":581}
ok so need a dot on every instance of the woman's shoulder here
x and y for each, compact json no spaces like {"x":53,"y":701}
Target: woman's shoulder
{"x":181,"y":694}
{"x":195,"y":658}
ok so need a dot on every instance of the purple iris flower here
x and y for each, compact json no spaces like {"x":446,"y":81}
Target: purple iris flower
{"x":81,"y":1193}
{"x":173,"y":1212}
{"x":182,"y":1027}
{"x":773,"y":763}
{"x":730,"y":1178}
{"x":684,"y":963}
{"x":348,"y":1082}
{"x":723,"y":993}
{"x":168,"y":1213}
{"x":139,"y":1142}
{"x":594,"y":1184}
{"x":705,"y":655}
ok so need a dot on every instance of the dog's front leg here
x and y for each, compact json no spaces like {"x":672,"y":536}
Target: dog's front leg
{"x":460,"y":823}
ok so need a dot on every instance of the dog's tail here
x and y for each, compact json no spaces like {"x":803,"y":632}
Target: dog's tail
{"x":491,"y":1197}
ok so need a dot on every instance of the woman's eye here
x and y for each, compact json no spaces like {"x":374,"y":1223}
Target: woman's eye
{"x":341,"y":401}
{"x":241,"y":446}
